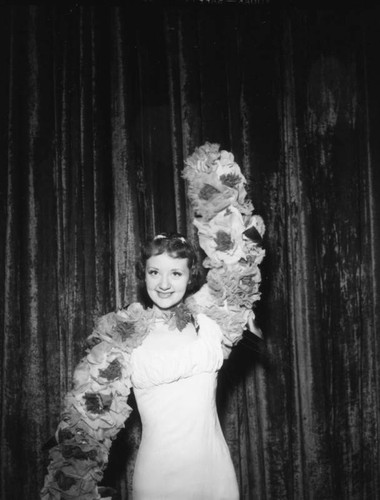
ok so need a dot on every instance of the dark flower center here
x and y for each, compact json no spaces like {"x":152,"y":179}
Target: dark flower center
{"x":113,"y":370}
{"x":97,"y":403}
{"x":230,"y":180}
{"x":208,"y":192}
{"x":223,"y":241}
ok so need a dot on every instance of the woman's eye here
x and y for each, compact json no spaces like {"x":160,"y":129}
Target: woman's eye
{"x":152,"y":272}
{"x":177,"y":274}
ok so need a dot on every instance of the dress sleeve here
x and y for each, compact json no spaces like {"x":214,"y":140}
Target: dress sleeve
{"x":230,"y":235}
{"x":94,"y":411}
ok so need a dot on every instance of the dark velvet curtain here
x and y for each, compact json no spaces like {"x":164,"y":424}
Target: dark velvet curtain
{"x":98,"y":108}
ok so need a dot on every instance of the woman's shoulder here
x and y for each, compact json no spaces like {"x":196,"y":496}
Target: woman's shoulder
{"x":132,"y":312}
{"x":125,"y":327}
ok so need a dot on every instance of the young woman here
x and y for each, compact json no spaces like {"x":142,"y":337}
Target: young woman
{"x":183,"y":454}
{"x":169,"y":352}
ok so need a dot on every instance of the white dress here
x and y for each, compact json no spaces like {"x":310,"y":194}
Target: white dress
{"x":183,"y":454}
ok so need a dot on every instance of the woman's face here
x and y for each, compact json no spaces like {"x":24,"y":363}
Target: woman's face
{"x":166,"y":280}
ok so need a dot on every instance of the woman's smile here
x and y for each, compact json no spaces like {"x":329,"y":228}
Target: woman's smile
{"x":164,"y":295}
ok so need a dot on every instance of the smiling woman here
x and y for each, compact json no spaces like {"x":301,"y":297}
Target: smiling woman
{"x":182,"y":451}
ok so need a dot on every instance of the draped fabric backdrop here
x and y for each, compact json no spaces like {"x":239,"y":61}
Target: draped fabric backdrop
{"x":99,"y":107}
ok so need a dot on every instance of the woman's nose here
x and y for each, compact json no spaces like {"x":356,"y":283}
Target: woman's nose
{"x":164,"y":283}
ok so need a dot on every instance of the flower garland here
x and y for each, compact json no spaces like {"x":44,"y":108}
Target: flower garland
{"x":96,"y":408}
{"x":230,"y":234}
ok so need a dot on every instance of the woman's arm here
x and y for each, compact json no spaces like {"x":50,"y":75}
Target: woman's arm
{"x":94,"y":410}
{"x":231,"y":237}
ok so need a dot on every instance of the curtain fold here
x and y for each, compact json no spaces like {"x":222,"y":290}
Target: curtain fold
{"x":99,"y":107}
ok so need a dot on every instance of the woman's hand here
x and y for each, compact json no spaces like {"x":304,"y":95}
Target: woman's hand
{"x":252,"y":327}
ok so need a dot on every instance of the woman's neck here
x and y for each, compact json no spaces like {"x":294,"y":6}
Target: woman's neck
{"x":177,"y":316}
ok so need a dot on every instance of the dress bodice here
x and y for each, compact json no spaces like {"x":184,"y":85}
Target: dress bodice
{"x":169,"y":355}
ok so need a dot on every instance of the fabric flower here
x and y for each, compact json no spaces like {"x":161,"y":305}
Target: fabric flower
{"x":113,"y":370}
{"x":230,"y":174}
{"x":240,"y":284}
{"x":63,"y":481}
{"x":203,"y":158}
{"x":105,"y":324}
{"x":133,"y":313}
{"x":214,"y":181}
{"x":257,"y":222}
{"x":254,"y":232}
{"x":81,"y":374}
{"x":97,"y":403}
{"x":133,"y":325}
{"x":221,"y":237}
